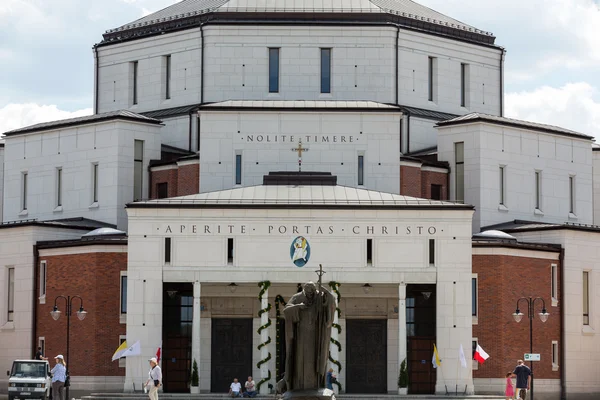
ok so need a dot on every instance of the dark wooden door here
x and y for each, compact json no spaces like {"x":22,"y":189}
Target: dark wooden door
{"x":231,"y":352}
{"x":366,"y":356}
{"x":421,"y":374}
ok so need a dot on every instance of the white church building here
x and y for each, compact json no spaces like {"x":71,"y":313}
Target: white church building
{"x":238,"y":146}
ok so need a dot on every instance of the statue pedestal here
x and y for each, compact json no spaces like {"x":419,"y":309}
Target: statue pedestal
{"x":310,"y":394}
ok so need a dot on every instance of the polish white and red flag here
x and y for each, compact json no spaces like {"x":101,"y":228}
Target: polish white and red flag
{"x":158,"y":351}
{"x":480,"y":355}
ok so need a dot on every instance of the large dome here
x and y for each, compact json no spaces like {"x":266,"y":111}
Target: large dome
{"x":194,"y":12}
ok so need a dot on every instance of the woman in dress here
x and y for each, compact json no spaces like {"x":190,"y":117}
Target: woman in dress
{"x":509,"y":392}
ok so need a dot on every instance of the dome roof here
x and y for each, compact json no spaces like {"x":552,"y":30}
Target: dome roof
{"x":103,"y":232}
{"x":192,"y":12}
{"x":494,"y":235}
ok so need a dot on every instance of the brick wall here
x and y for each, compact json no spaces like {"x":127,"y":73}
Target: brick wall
{"x":96,"y":278}
{"x":502,"y":280}
{"x":188,"y":179}
{"x":182,"y":180}
{"x":416,"y":182}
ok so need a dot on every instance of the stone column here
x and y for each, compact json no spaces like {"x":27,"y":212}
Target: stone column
{"x":401,"y":324}
{"x":333,"y":349}
{"x":196,"y":327}
{"x":264,"y":336}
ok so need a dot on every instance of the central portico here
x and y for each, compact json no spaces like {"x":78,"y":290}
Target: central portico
{"x":210,"y":273}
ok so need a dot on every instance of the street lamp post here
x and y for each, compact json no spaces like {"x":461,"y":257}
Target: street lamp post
{"x":518,"y":316}
{"x":81,"y":313}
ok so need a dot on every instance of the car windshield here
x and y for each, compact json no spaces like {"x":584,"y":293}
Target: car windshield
{"x":28,"y":370}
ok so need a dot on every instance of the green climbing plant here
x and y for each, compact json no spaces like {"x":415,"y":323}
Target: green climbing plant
{"x":335,"y":287}
{"x":279,"y":301}
{"x":264,"y":286}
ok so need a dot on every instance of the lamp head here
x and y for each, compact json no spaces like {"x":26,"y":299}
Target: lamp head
{"x":518,"y":315}
{"x":55,"y":313}
{"x":544,"y":315}
{"x":81,"y":314}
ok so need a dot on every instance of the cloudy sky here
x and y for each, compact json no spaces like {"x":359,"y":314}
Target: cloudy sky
{"x":552,"y":64}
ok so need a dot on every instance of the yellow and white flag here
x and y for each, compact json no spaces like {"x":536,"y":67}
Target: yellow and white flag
{"x":435,"y":359}
{"x":120,"y":350}
{"x":124,"y":351}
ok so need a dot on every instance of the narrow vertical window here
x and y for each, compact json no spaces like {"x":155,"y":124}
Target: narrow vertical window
{"x":474,"y":296}
{"x":369,"y":251}
{"x":463,"y":84}
{"x":325,"y":70}
{"x":42,"y":278}
{"x":58,"y":187}
{"x":554,"y":280}
{"x":167,"y":250}
{"x":502,"y":188}
{"x":230,"y":251}
{"x":42,"y":344}
{"x":459,"y":156}
{"x":436,"y":192}
{"x":94,"y":183}
{"x":138,"y":170}
{"x":162,"y":190}
{"x":572,"y":194}
{"x":430,"y":76}
{"x":273,"y":70}
{"x":123,"y":294}
{"x":24,"y":191}
{"x":361,"y":170}
{"x":134,"y":67}
{"x":554,"y":353}
{"x":11,"y":294}
{"x":586,"y":298}
{"x":238,"y":169}
{"x":538,"y":190}
{"x":431,"y":251}
{"x":167,"y":77}
{"x":122,"y":360}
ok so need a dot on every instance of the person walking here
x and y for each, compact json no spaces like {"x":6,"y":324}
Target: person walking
{"x":329,"y":379}
{"x":154,"y":379}
{"x":59,"y":376}
{"x":509,"y":392}
{"x":523,"y":374}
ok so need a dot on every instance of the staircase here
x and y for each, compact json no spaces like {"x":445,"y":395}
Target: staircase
{"x":218,"y":396}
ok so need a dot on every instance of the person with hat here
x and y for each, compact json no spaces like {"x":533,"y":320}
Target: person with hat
{"x":59,"y":376}
{"x":154,"y":379}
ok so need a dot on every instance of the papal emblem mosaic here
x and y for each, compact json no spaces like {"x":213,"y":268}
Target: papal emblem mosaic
{"x":300,"y":251}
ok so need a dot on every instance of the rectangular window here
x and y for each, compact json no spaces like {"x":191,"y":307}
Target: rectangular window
{"x":474,"y":296}
{"x":361,"y":170}
{"x":325,"y":70}
{"x":369,"y":251}
{"x":167,"y":77}
{"x":538,"y":190}
{"x":230,"y":251}
{"x":123,"y":294}
{"x":436,"y":192}
{"x":430,"y":76}
{"x":554,"y":280}
{"x":459,"y":156}
{"x":58,"y":187}
{"x":554,"y":353}
{"x":463,"y":85}
{"x":167,"y":250}
{"x":122,"y":360}
{"x":431,"y":251}
{"x":474,"y":362}
{"x":502,"y":178}
{"x":94,"y":183}
{"x":11,"y":294}
{"x":238,"y":169}
{"x":572,"y":194}
{"x":586,"y":298}
{"x":42,"y":344}
{"x":274,"y":70}
{"x":24,"y":191}
{"x":138,"y":169}
{"x":162,"y":190}
{"x":42,"y":278}
{"x":134,"y":67}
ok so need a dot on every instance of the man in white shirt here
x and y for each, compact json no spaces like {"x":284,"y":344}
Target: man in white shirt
{"x":235,"y":390}
{"x":154,"y":379}
{"x":250,"y":388}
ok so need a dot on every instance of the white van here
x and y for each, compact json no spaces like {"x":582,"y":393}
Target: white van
{"x":29,"y":379}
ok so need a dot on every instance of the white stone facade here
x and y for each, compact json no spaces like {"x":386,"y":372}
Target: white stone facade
{"x":262,"y":240}
{"x":521,"y":152}
{"x":75,"y":151}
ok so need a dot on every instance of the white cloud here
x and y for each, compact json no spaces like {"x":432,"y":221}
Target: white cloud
{"x":572,"y":106}
{"x":14,"y":116}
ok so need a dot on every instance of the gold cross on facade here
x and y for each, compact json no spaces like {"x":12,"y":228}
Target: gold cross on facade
{"x":300,"y":150}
